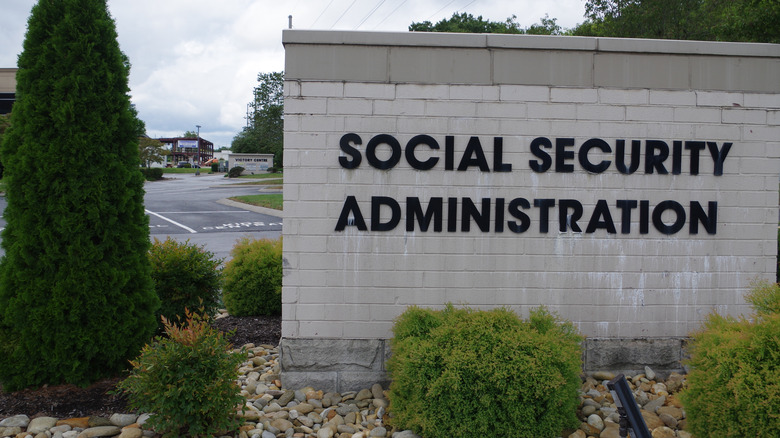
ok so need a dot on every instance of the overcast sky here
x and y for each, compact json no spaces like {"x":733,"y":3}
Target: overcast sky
{"x":195,"y":62}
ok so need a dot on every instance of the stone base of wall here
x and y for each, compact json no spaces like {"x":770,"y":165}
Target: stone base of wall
{"x":630,"y":356}
{"x":334,"y":364}
{"x":353,"y":364}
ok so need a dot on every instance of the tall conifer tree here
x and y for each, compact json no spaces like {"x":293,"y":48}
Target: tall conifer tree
{"x":76,"y":296}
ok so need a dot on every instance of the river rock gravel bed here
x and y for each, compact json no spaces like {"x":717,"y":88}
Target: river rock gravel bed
{"x":271,"y":411}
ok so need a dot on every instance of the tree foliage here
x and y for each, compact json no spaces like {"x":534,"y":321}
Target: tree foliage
{"x":265,"y":128}
{"x":76,"y":296}
{"x":5,"y":123}
{"x":139,"y":127}
{"x":151,"y":151}
{"x":708,"y":20}
{"x":546,"y":26}
{"x":190,"y":134}
{"x":467,"y":23}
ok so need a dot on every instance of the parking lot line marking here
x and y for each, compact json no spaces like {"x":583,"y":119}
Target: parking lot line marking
{"x":172,"y":221}
{"x":204,"y":212}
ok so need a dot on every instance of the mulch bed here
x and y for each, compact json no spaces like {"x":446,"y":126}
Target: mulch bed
{"x":68,"y":401}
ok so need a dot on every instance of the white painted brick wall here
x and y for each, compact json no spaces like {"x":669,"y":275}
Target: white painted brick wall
{"x":352,"y":283}
{"x":524,"y":93}
{"x":672,"y":98}
{"x":474,"y":92}
{"x":322,"y":89}
{"x":715,"y":98}
{"x":568,"y":95}
{"x":610,"y":96}
{"x":369,"y":91}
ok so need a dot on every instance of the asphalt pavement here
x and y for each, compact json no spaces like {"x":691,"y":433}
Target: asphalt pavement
{"x":194,"y":208}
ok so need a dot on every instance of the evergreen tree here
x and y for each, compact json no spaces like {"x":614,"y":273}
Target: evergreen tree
{"x":76,"y":295}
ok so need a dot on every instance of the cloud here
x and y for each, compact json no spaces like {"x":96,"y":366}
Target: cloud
{"x":195,"y":62}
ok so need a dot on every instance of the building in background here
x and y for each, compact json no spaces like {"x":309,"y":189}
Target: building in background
{"x":187,"y":150}
{"x":7,"y":89}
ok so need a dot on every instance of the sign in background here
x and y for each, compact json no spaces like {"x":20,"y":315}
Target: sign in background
{"x":188,"y":145}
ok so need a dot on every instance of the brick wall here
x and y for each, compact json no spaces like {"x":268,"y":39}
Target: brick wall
{"x":349,"y":284}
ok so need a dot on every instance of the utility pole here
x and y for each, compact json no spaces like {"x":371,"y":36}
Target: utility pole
{"x":197,"y":153}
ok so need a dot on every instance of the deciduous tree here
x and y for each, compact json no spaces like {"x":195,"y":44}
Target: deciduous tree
{"x":151,"y":151}
{"x":710,"y":20}
{"x":465,"y":22}
{"x":76,"y":295}
{"x":265,"y":129}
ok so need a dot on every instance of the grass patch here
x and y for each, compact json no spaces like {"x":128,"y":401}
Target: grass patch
{"x":262,"y":176}
{"x":266,"y":182}
{"x":184,"y":170}
{"x":273,"y":201}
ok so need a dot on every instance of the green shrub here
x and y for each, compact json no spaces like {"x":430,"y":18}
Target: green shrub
{"x":764,"y":297}
{"x":152,"y":173}
{"x":188,"y":380}
{"x":235,"y":171}
{"x":733,"y":387}
{"x":185,"y":165}
{"x":465,"y":373}
{"x":76,"y":295}
{"x":273,"y":170}
{"x":186,"y":276}
{"x":215,"y":167}
{"x":253,"y":278}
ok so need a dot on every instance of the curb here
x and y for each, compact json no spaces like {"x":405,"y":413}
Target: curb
{"x":250,"y":207}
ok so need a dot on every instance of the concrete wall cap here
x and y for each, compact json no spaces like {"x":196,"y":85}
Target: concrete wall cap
{"x":541,"y":42}
{"x":411,"y":39}
{"x":678,"y":47}
{"x":532,"y":42}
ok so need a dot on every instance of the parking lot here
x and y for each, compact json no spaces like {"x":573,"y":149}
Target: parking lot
{"x":189,"y":207}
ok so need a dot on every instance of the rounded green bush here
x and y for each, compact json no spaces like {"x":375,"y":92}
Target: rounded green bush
{"x":152,"y":174}
{"x":186,"y":276}
{"x":733,"y":388}
{"x":253,"y":278}
{"x":188,"y":380}
{"x":465,"y":373}
{"x":235,"y":172}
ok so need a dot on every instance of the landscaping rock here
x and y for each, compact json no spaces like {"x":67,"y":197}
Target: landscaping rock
{"x":131,"y":433}
{"x":122,"y":420}
{"x":6,"y":431}
{"x":16,"y":421}
{"x":603,"y":375}
{"x":100,"y":431}
{"x":41,"y":424}
{"x":309,"y":413}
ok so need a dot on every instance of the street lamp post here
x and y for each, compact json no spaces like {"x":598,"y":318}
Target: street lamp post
{"x":197,"y":153}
